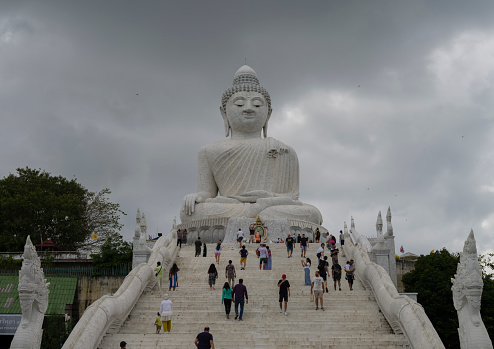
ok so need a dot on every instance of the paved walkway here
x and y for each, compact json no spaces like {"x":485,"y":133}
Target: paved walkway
{"x":352,"y":318}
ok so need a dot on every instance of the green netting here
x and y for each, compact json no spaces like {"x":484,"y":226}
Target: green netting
{"x":62,"y":292}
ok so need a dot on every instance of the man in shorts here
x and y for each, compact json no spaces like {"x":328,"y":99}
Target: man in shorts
{"x":243,"y":257}
{"x":289,"y":245}
{"x":252,"y":232}
{"x":336,"y":274}
{"x":304,"y":244}
{"x":323,"y":270}
{"x":284,"y":287}
{"x":350,"y":270}
{"x":317,"y":287}
{"x":263,"y":256}
{"x":240,"y":237}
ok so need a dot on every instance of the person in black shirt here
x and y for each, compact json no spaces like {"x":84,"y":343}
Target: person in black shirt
{"x":323,"y":269}
{"x":284,"y":287}
{"x":198,"y":244}
{"x":336,"y":273}
{"x":303,"y":245}
{"x":289,"y":245}
{"x":204,"y":340}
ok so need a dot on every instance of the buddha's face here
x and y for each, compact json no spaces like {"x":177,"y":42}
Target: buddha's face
{"x":247,"y":111}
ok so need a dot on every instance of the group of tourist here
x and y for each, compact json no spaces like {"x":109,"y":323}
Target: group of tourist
{"x":237,"y":293}
{"x":164,"y":316}
{"x":198,"y":244}
{"x":172,"y":276}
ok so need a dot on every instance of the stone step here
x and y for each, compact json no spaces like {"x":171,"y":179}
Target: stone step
{"x":352,"y":318}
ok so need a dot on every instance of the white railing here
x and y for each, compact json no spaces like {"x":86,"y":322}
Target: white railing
{"x":403,"y":314}
{"x":108,"y":313}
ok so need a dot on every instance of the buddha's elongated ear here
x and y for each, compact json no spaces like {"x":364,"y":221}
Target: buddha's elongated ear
{"x":225,"y":120}
{"x":265,"y":127}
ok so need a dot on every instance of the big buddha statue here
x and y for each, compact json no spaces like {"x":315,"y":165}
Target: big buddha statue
{"x":247,"y":175}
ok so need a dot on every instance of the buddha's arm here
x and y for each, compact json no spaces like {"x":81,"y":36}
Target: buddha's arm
{"x":206,"y":185}
{"x":255,"y":195}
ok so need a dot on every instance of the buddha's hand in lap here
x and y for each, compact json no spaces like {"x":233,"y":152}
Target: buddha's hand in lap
{"x":189,"y":203}
{"x":253,"y":196}
{"x":222,"y":200}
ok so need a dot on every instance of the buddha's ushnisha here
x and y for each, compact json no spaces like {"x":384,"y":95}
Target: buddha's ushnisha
{"x":247,"y":175}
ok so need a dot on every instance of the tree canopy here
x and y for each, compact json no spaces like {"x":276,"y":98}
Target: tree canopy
{"x":35,"y":203}
{"x":431,"y":279}
{"x":114,"y":253}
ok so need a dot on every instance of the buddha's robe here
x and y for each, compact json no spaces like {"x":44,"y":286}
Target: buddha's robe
{"x":254,"y":164}
{"x":242,"y":166}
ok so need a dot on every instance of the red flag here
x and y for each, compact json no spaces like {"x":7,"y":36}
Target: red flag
{"x":401,"y":249}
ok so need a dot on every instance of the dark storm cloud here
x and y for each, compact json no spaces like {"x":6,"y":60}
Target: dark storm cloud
{"x":386,"y":103}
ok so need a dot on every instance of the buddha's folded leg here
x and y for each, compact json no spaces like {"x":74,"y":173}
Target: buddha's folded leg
{"x":303,"y":212}
{"x":215,"y":210}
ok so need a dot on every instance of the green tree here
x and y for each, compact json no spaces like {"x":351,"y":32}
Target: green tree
{"x":102,"y":217}
{"x":113,"y":253}
{"x":35,"y":203}
{"x":38,"y":204}
{"x":431,"y":279}
{"x":55,"y":331}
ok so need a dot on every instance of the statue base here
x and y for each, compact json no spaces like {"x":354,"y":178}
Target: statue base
{"x":225,"y":229}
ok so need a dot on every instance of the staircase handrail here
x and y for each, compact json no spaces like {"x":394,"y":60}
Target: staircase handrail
{"x":108,"y":313}
{"x":402,"y":313}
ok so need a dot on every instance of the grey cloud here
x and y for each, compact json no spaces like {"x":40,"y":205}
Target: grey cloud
{"x":122,"y":95}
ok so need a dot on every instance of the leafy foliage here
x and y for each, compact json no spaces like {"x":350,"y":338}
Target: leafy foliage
{"x":431,"y":279}
{"x":102,"y":217}
{"x":487,"y":263}
{"x":113,"y":253}
{"x":35,"y":203}
{"x":9,"y":263}
{"x":55,"y":331}
{"x":487,"y":305}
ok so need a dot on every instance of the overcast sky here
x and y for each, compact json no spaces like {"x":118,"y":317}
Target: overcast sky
{"x":387,"y":103}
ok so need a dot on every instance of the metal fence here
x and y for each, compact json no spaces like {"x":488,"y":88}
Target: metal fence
{"x":121,"y":270}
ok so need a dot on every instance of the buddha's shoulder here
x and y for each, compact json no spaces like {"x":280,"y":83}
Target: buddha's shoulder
{"x":229,"y":144}
{"x":216,"y":147}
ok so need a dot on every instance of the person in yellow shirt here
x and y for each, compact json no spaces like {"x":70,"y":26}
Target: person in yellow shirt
{"x":158,"y":324}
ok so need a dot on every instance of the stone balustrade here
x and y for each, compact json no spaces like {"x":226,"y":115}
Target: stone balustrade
{"x":403,"y":314}
{"x":108,"y":313}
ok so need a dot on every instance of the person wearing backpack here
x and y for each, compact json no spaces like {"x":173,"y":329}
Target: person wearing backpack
{"x":336,"y":274}
{"x":217,"y":251}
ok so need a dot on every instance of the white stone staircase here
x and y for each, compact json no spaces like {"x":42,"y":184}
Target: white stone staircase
{"x":352,"y":318}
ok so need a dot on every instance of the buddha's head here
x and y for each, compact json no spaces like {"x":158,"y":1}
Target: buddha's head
{"x":246,"y":106}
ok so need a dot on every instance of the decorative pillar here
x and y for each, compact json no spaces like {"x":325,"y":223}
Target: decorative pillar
{"x":33,"y":296}
{"x":389,"y":241}
{"x":467,"y":293}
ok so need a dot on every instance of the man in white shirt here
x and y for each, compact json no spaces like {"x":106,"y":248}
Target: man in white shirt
{"x":263,"y":256}
{"x":240,"y":237}
{"x":317,"y":287}
{"x":320,"y":252}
